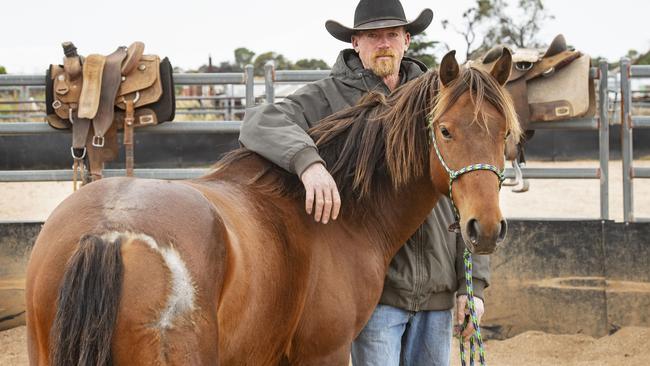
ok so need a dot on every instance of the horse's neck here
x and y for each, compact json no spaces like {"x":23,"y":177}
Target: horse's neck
{"x":401,"y":215}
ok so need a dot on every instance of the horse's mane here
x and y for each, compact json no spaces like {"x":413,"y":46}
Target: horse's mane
{"x":382,"y":140}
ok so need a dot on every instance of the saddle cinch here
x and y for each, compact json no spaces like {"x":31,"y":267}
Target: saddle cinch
{"x":548,"y":85}
{"x":97,"y":95}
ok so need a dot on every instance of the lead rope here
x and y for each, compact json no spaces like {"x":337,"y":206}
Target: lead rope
{"x":467,"y":256}
{"x":476,"y":337}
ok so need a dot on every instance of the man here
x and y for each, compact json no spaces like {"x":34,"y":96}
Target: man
{"x":412,"y":323}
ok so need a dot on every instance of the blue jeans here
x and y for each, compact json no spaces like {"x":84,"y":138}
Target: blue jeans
{"x":395,"y":337}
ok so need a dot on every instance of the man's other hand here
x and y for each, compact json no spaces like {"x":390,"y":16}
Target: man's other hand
{"x":322,"y":195}
{"x":462,"y":310}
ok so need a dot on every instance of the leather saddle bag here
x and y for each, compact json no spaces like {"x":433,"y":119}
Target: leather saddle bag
{"x":548,"y":85}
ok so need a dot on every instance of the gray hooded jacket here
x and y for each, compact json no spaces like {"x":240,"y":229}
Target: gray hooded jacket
{"x":428,"y":270}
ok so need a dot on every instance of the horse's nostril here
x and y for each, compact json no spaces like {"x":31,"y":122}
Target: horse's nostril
{"x":502,"y":231}
{"x":473,"y":230}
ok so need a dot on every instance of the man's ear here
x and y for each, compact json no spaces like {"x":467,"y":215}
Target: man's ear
{"x":449,"y":68}
{"x":355,"y":42}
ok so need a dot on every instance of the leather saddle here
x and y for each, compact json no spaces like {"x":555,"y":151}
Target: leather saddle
{"x":94,"y":96}
{"x":546,"y":85}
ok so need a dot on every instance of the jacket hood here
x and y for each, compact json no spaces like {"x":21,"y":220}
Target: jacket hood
{"x":349,"y":70}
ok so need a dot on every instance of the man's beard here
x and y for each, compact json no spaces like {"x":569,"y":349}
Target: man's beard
{"x":383,"y":67}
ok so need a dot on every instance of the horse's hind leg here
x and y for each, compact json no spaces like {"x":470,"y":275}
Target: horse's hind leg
{"x":162,"y":319}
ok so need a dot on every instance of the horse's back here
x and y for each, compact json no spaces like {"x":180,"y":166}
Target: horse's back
{"x":172,"y":250}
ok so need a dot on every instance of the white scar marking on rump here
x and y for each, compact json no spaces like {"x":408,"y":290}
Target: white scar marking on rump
{"x":181,"y":298}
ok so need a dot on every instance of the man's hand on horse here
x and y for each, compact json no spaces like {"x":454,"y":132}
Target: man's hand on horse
{"x":322,"y":195}
{"x":462,"y":310}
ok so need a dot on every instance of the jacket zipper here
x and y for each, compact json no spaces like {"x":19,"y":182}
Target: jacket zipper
{"x":419,"y":254}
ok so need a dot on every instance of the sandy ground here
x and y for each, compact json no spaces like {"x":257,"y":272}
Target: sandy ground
{"x":626,"y":347}
{"x":547,"y":198}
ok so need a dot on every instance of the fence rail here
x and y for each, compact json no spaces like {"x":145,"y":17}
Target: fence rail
{"x":274,"y":77}
{"x":628,"y":124}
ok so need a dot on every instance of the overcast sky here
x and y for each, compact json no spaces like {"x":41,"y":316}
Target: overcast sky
{"x":187,"y":31}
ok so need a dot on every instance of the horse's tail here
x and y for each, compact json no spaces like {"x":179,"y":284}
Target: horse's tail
{"x":88,"y":302}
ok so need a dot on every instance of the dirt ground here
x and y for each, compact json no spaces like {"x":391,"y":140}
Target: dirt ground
{"x":627,"y":347}
{"x":546,"y":199}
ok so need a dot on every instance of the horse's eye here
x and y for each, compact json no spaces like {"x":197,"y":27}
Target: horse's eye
{"x":445,"y":132}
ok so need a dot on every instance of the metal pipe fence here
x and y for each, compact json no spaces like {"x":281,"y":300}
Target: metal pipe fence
{"x":628,"y":123}
{"x":272,"y":79}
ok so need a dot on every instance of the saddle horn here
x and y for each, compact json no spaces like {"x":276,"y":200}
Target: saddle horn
{"x":492,"y":55}
{"x":558,"y":45}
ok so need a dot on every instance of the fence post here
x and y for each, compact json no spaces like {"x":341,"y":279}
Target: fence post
{"x":626,"y":141}
{"x":24,"y":97}
{"x":269,"y":77}
{"x":250,"y":85}
{"x":603,"y":132}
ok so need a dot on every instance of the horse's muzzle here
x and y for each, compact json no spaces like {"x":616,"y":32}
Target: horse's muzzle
{"x":483,"y":240}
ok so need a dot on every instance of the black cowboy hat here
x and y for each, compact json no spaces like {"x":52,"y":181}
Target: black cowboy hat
{"x":376,"y":14}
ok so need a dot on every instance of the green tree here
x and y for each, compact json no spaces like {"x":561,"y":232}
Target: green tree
{"x":310,"y":64}
{"x":519,"y":28}
{"x":492,"y":22}
{"x":3,"y":70}
{"x":637,"y":58}
{"x":643,"y":59}
{"x":243,"y":57}
{"x":226,"y":66}
{"x":474,"y":20}
{"x":281,"y":63}
{"x":422,"y":50}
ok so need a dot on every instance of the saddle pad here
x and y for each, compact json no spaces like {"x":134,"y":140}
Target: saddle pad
{"x":564,"y":94}
{"x":526,"y":55}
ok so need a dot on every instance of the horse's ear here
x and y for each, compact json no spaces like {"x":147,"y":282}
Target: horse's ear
{"x":501,"y":69}
{"x":449,"y":68}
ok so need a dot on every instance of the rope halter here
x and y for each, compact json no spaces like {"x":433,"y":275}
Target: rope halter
{"x":455,"y":174}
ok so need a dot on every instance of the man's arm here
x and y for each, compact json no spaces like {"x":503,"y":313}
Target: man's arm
{"x":278,"y":132}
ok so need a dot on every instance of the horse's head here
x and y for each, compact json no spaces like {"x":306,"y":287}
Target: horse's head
{"x":469,"y":123}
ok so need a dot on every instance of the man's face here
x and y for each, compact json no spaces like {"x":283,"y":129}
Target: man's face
{"x":381,"y":50}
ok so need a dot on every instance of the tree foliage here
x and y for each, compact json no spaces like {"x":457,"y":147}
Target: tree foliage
{"x":637,"y":58}
{"x":422,"y":50}
{"x":281,"y":63}
{"x":492,"y":22}
{"x":310,"y":64}
{"x":243,"y":57}
{"x":3,"y":70}
{"x":473,"y":20}
{"x":518,"y":28}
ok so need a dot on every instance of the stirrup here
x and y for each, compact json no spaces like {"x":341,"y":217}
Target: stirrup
{"x":519,"y":183}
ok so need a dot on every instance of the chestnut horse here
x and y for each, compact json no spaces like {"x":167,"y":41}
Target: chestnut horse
{"x":228,"y":269}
